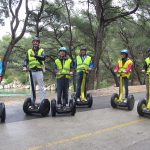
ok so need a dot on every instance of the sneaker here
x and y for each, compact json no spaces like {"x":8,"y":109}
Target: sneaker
{"x":85,"y":100}
{"x":31,"y":107}
{"x":67,"y":105}
{"x":125,"y":100}
{"x":78,"y":100}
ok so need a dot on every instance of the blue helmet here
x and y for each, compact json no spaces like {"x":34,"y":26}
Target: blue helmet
{"x":83,"y":48}
{"x":124,"y":51}
{"x":36,"y":39}
{"x":63,"y":49}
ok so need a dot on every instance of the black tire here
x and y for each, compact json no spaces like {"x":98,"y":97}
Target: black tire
{"x":26,"y":105}
{"x":90,"y":100}
{"x":44,"y":107}
{"x":53,"y":107}
{"x":72,"y":105}
{"x":2,"y":112}
{"x":142,"y":103}
{"x":130,"y":102}
{"x":113,"y":99}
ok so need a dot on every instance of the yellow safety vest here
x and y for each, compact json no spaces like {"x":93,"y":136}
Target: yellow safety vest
{"x":124,"y":66}
{"x":33,"y":62}
{"x":65,"y":69}
{"x":147,"y":60}
{"x":83,"y":66}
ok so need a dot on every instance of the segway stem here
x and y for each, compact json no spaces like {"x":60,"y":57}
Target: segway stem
{"x":83,"y":87}
{"x":32,"y":87}
{"x":121,"y":89}
{"x":148,"y":104}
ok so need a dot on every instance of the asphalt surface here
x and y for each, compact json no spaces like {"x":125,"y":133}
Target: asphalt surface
{"x":98,"y":128}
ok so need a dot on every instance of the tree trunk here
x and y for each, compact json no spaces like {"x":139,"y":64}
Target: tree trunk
{"x":98,"y":50}
{"x":6,"y":56}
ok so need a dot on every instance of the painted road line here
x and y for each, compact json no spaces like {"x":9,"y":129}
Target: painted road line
{"x":85,"y":135}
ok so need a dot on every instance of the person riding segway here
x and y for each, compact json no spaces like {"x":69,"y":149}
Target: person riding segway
{"x":123,"y":70}
{"x":2,"y":105}
{"x":143,"y":107}
{"x":83,"y":65}
{"x":63,"y":66}
{"x":33,"y":63}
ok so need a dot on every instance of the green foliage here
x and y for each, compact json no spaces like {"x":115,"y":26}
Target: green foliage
{"x":55,"y":33}
{"x":9,"y":80}
{"x":103,"y":84}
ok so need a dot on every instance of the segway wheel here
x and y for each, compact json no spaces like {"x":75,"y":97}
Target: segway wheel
{"x":90,"y":100}
{"x":26,"y":105}
{"x":53,"y":107}
{"x":44,"y":107}
{"x":2,"y":112}
{"x":141,"y":105}
{"x":72,"y":105}
{"x":130,"y":102}
{"x":114,"y":99}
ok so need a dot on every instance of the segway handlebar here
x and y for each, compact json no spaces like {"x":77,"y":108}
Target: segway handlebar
{"x":85,"y":70}
{"x":121,"y":72}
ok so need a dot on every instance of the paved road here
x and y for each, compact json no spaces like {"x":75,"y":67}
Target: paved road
{"x":99,"y":128}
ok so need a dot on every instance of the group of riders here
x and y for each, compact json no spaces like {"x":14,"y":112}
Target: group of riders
{"x":65,"y":66}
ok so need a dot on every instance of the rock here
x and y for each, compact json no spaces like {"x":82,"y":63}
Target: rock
{"x":1,"y":86}
{"x":48,"y":88}
{"x":27,"y":86}
{"x":53,"y":87}
{"x":37,"y":88}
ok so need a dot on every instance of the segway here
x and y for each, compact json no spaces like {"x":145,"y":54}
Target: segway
{"x":144,"y":104}
{"x":63,"y":109}
{"x":2,"y":112}
{"x":84,"y":100}
{"x":118,"y":101}
{"x":29,"y":105}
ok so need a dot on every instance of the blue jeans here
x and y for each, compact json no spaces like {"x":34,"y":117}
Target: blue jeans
{"x":79,"y":82}
{"x":62,"y":90}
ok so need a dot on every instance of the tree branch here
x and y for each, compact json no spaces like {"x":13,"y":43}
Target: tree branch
{"x":123,"y":14}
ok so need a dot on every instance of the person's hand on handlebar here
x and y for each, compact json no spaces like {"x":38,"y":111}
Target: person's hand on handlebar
{"x":115,"y":71}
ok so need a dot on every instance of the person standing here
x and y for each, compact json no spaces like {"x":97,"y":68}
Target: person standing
{"x":124,"y":65}
{"x":64,"y":71}
{"x":83,"y":64}
{"x":34,"y":62}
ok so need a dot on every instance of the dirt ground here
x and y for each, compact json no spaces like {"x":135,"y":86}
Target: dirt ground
{"x":113,"y":89}
{"x":8,"y":100}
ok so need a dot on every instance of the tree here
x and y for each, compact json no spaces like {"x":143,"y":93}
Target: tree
{"x":106,"y":13}
{"x":14,"y":8}
{"x":4,"y":13}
